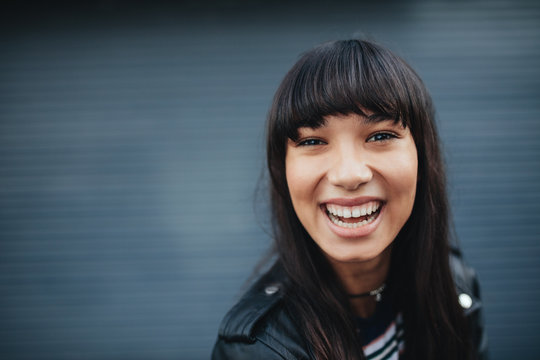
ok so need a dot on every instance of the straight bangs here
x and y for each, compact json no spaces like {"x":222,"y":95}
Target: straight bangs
{"x":345,"y":77}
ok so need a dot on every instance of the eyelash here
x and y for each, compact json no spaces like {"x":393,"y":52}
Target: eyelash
{"x":382,"y":136}
{"x":378,"y":137}
{"x":311,"y":142}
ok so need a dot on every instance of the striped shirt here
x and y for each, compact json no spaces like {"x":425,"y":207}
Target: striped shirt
{"x":382,"y":334}
{"x":389,"y":345}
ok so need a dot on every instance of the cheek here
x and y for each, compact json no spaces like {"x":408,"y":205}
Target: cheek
{"x":298,"y":179}
{"x":303,"y":178}
{"x":405,"y":176}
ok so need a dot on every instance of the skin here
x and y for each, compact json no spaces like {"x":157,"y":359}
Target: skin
{"x":350,"y":157}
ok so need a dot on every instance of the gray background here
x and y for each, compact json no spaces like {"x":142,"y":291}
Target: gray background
{"x":131,"y":143}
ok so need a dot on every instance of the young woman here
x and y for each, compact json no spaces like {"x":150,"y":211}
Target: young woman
{"x":364,"y":268}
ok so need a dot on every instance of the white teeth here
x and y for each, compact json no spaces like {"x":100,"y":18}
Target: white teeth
{"x":340,"y":223}
{"x":354,"y":211}
{"x":335,"y":212}
{"x":331,"y":209}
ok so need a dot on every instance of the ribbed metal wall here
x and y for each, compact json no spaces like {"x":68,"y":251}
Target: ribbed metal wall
{"x":131,"y":142}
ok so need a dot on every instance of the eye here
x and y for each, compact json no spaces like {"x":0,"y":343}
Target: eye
{"x":310,"y":142}
{"x":382,"y":136}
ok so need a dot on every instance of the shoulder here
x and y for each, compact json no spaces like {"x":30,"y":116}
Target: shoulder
{"x":258,"y":326}
{"x":466,"y":283}
{"x":468,"y":290}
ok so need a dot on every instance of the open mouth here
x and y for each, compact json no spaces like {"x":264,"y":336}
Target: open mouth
{"x":352,"y":217}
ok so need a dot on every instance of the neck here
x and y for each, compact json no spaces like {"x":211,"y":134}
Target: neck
{"x":361,"y":277}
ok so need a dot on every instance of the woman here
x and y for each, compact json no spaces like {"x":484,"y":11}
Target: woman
{"x":364,"y":268}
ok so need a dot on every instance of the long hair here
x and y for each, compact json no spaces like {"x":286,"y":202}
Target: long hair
{"x":345,"y":77}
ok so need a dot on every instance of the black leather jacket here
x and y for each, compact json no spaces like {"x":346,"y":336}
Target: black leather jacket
{"x":257,"y":327}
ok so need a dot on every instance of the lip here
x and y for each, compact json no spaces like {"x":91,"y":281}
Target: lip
{"x":352,"y":201}
{"x":360,"y":231}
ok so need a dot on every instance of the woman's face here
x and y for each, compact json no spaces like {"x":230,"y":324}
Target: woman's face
{"x":352,"y":183}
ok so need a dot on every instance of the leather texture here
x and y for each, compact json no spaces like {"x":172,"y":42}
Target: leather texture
{"x":258,"y":327}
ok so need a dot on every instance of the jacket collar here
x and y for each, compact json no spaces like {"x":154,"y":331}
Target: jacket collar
{"x":266,"y":293}
{"x":240,"y":322}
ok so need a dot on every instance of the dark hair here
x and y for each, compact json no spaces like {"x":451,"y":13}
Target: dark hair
{"x":345,"y":77}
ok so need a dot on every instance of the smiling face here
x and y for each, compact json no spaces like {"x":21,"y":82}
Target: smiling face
{"x":352,"y":183}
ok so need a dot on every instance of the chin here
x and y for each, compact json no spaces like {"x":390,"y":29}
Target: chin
{"x":356,"y":255}
{"x":352,"y":257}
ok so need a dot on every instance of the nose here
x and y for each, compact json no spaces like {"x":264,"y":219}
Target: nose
{"x":350,"y":170}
